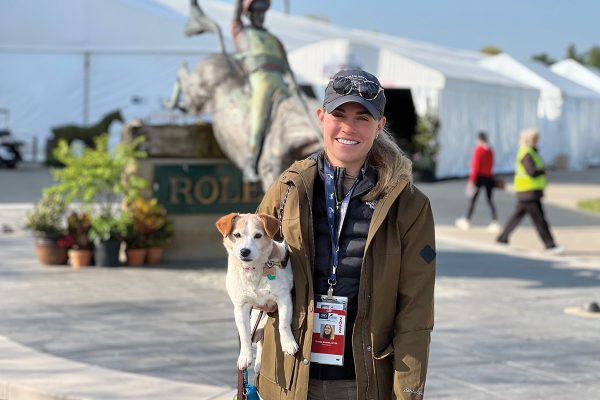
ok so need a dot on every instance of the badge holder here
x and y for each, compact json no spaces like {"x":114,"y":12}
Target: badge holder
{"x":329,"y":330}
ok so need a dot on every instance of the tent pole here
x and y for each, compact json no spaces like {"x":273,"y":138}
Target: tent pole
{"x":86,"y":88}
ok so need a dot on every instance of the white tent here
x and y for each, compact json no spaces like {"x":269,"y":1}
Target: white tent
{"x":588,"y":77}
{"x":568,"y":113}
{"x":466,"y":97}
{"x":71,"y":61}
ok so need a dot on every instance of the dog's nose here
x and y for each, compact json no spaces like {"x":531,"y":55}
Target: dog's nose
{"x":245,"y":252}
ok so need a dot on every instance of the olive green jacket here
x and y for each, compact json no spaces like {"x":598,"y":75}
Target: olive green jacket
{"x":395,"y":311}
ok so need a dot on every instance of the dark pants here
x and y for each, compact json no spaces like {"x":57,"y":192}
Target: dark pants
{"x":331,"y":389}
{"x":488,"y":183}
{"x":536,"y":212}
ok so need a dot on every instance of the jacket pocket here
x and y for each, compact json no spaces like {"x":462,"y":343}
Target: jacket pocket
{"x":277,"y":367}
{"x":383,"y":364}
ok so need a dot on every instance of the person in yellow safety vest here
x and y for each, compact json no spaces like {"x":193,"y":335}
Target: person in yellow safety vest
{"x":529,"y":184}
{"x":265,"y":62}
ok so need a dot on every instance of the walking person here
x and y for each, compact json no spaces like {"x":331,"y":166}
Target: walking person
{"x":362,"y":244}
{"x":530,"y":181}
{"x":481,"y":176}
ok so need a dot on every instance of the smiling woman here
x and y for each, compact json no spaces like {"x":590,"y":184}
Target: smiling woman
{"x":360,"y":237}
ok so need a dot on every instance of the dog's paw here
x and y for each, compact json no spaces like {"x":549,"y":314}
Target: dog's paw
{"x":288,"y":344}
{"x":244,"y":360}
{"x":257,"y":365}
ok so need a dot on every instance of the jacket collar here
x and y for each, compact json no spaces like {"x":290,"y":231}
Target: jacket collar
{"x":366,"y":183}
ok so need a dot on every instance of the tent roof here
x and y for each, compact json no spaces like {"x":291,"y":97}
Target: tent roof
{"x":452,"y":63}
{"x":130,"y":26}
{"x":296,"y":32}
{"x":537,"y":75}
{"x":585,"y":76}
{"x":398,"y":63}
{"x":122,"y":26}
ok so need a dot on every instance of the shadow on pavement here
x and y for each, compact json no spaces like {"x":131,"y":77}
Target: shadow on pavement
{"x":540,"y":273}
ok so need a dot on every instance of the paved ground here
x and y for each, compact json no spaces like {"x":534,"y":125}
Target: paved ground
{"x":147,"y":333}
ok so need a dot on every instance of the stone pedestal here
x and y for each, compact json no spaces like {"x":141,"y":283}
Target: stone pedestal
{"x":197,"y":192}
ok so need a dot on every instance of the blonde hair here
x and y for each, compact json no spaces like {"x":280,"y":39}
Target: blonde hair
{"x":391,"y":165}
{"x":529,"y":136}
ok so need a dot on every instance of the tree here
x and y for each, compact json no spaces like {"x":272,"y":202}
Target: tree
{"x":572,"y":53}
{"x":544,"y":58}
{"x":592,"y":57}
{"x":491,"y":50}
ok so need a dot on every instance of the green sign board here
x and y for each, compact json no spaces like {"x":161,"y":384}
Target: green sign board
{"x":204,"y":189}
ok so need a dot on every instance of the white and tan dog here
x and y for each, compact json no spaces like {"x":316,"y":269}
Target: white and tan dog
{"x":258,"y":273}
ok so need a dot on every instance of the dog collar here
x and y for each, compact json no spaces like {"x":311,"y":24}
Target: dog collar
{"x":269,"y":270}
{"x":281,"y":263}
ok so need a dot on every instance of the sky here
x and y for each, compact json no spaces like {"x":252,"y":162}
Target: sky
{"x":519,"y":27}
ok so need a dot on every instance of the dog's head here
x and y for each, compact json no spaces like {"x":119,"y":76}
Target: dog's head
{"x":248,"y":237}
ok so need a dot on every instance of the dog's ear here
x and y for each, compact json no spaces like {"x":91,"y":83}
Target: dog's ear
{"x":270,"y":223}
{"x":225,"y":224}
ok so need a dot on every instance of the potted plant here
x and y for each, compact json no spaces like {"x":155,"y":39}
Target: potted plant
{"x":426,"y":146}
{"x":78,"y":227}
{"x":153,"y":226}
{"x":106,"y":232}
{"x":45,"y":220}
{"x":158,"y":240}
{"x":135,"y":240}
{"x":96,"y":177}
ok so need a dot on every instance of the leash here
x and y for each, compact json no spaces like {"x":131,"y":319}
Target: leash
{"x":246,"y":391}
{"x":287,"y":192}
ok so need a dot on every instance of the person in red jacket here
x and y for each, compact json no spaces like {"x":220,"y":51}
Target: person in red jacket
{"x":481,"y":176}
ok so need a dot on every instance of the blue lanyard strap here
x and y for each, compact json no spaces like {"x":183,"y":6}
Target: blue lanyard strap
{"x":336,"y":213}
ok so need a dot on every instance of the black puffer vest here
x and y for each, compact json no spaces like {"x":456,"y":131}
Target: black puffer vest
{"x":352,"y":247}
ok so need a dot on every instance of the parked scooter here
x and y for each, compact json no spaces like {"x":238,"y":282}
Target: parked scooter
{"x":10,"y":148}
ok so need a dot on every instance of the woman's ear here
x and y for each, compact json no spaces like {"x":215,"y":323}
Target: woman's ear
{"x":320,"y":115}
{"x":381,"y":123}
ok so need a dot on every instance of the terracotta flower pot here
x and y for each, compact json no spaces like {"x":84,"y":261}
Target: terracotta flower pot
{"x":80,"y":258}
{"x":154,"y":255}
{"x":136,"y":257}
{"x":51,"y":254}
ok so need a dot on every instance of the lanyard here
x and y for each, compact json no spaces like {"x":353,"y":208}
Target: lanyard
{"x":336,"y":213}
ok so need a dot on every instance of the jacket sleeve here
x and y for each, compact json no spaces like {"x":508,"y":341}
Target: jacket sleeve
{"x":529,"y":165}
{"x":414,"y":321}
{"x":475,"y":161}
{"x":270,"y":201}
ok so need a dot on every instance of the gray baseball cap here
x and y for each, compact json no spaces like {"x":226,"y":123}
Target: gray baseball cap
{"x":358,"y":86}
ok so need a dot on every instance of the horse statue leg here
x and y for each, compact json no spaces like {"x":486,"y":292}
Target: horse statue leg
{"x":173,"y":101}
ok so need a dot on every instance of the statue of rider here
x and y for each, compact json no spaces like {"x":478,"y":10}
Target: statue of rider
{"x":265,"y":62}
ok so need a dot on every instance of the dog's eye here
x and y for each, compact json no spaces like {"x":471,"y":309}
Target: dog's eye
{"x":258,"y":236}
{"x":237,"y":235}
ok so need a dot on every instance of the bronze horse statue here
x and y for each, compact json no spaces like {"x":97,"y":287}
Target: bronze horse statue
{"x":218,"y":86}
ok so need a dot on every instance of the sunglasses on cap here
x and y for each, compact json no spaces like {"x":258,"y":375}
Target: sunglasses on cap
{"x":366,"y":89}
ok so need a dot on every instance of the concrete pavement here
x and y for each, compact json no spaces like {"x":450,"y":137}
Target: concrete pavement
{"x":145,"y":333}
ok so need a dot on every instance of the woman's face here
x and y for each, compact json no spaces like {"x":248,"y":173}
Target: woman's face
{"x":348,"y":134}
{"x":327,"y":330}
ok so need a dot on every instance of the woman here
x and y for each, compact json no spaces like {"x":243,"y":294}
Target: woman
{"x":530,"y":182}
{"x":481,"y":176}
{"x":382,"y":262}
{"x":327,"y":332}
